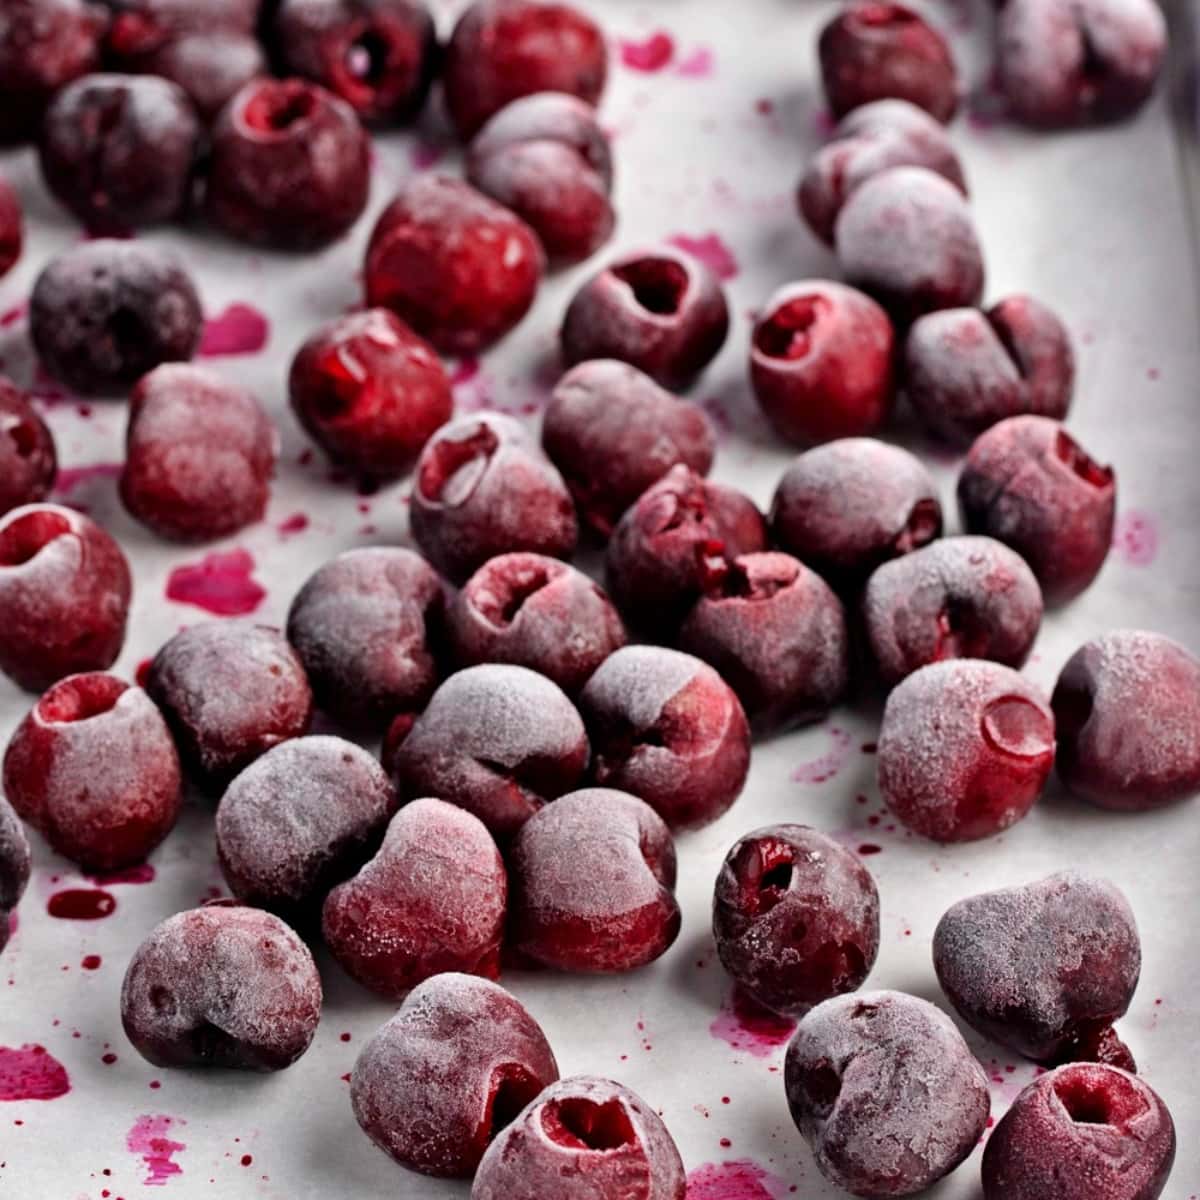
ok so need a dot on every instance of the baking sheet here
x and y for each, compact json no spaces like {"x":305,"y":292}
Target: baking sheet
{"x":708,"y":149}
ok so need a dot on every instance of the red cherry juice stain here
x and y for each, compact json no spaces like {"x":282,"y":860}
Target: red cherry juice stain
{"x":239,"y":329}
{"x":741,"y":1179}
{"x":11,"y":316}
{"x":92,"y":962}
{"x":870,"y":848}
{"x":220,"y":583}
{"x":289,"y":526}
{"x":247,"y":1159}
{"x":70,"y":478}
{"x":650,"y":54}
{"x":827,"y":765}
{"x":1135,"y":537}
{"x":148,"y":1138}
{"x":699,"y":64}
{"x":81,"y":904}
{"x":747,"y":1026}
{"x":710,"y":250}
{"x":142,"y":873}
{"x":31,"y":1073}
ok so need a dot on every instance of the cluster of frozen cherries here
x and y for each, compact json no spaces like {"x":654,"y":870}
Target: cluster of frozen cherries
{"x":536,"y":761}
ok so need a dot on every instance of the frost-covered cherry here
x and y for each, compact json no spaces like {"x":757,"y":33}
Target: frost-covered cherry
{"x":432,"y":900}
{"x":440,"y":1081}
{"x":211,"y":66}
{"x":222,"y":986}
{"x":15,"y":865}
{"x":28,"y":457}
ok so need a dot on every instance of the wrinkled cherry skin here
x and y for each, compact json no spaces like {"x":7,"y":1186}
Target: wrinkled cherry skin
{"x":93,"y":768}
{"x":16,"y":863}
{"x":483,"y":488}
{"x":593,"y":881}
{"x":1127,"y":707}
{"x":1043,"y":968}
{"x":290,"y":166}
{"x":660,"y":310}
{"x":667,"y":728}
{"x":821,"y":362}
{"x":229,"y":691}
{"x":777,"y":633}
{"x":1083,"y":1132}
{"x":795,"y":918}
{"x":440,"y":1080}
{"x":452,"y":263}
{"x":119,"y":150}
{"x":886,"y":1092}
{"x":612,"y":432}
{"x":222,"y":986}
{"x":65,"y":586}
{"x":879,"y":51}
{"x":848,"y":506}
{"x":1029,"y":484}
{"x":12,"y":227}
{"x":675,"y":542}
{"x":432,"y":900}
{"x":867,"y":140}
{"x":546,"y":157}
{"x":377,"y":55}
{"x":210,"y":67}
{"x":366,"y":627}
{"x":44,"y":44}
{"x":583,"y":1139}
{"x":28,"y":458}
{"x":139,"y":27}
{"x":964,"y":749}
{"x":106,"y":312}
{"x":964,"y":370}
{"x":501,"y":50}
{"x":959,"y":597}
{"x":534,"y":612}
{"x":906,"y":236}
{"x":497,"y":740}
{"x":199,"y":455}
{"x":369,"y":392}
{"x":1060,"y":63}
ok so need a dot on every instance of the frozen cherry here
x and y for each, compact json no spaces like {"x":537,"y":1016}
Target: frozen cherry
{"x":960,"y":597}
{"x":483,"y":488}
{"x":377,"y":55}
{"x":369,"y":392}
{"x":300,"y":819}
{"x":28,"y":459}
{"x":64,"y":595}
{"x":44,"y":44}
{"x":795,"y":918}
{"x":848,"y":506}
{"x":583,"y":1139}
{"x":777,"y":634}
{"x":12,"y":227}
{"x":1044,"y":967}
{"x":821,"y":362}
{"x":964,"y":749}
{"x":230,"y":691}
{"x":199,"y":455}
{"x":432,"y":900}
{"x":535,"y":612}
{"x":666,"y":727}
{"x":211,"y":67}
{"x":15,"y":865}
{"x":1063,"y":62}
{"x":884,"y":1089}
{"x":1127,"y":709}
{"x":877,"y":51}
{"x":964,"y":370}
{"x":119,"y":151}
{"x":504,"y":49}
{"x":106,"y":312}
{"x":1083,"y":1132}
{"x":290,"y":165}
{"x":612,"y":432}
{"x":867,"y":140}
{"x":222,"y":986}
{"x":452,"y":263}
{"x":546,"y":157}
{"x":444,"y":1077}
{"x":675,"y":542}
{"x":1029,"y":484}
{"x":365,"y":626}
{"x":497,"y":740}
{"x":661,"y":310}
{"x":94,"y":770}
{"x":593,"y":880}
{"x":906,"y":236}
{"x":139,"y":27}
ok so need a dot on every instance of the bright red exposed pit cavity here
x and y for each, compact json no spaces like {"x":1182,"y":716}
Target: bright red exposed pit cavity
{"x":22,"y":539}
{"x":503,"y":597}
{"x":80,"y":699}
{"x":788,"y":331}
{"x":1092,"y":1098}
{"x":658,"y":284}
{"x":512,"y":1089}
{"x":877,"y":16}
{"x":1069,"y":451}
{"x":582,"y":1124}
{"x":451,"y":470}
{"x":1014,"y":726}
{"x":275,"y":109}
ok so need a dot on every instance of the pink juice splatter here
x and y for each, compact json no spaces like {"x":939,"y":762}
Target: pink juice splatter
{"x":699,"y":64}
{"x":651,"y":54}
{"x":711,"y":250}
{"x":220,"y":583}
{"x":749,"y":1027}
{"x":81,"y":904}
{"x":148,"y":1138}
{"x":31,"y":1073}
{"x":296,"y":523}
{"x":70,"y":478}
{"x":827,"y":765}
{"x":741,"y":1179}
{"x":239,"y":329}
{"x":1135,"y":537}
